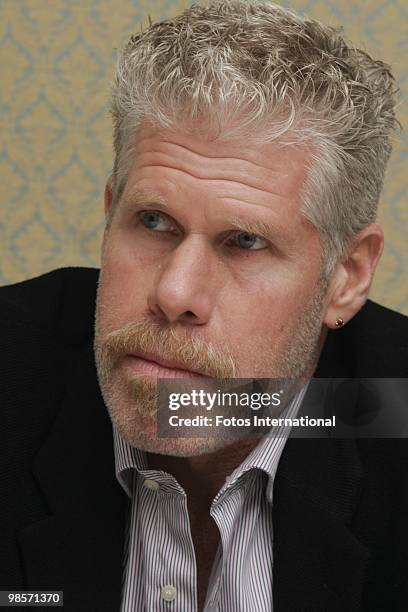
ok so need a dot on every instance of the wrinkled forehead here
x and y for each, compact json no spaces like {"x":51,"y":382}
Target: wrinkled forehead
{"x":267,"y":149}
{"x":275,"y":167}
{"x":225,"y":141}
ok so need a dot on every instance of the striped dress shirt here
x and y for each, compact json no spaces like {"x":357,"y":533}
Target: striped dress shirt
{"x":160,"y":573}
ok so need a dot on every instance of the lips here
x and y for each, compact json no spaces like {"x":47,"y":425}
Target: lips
{"x":152,"y":365}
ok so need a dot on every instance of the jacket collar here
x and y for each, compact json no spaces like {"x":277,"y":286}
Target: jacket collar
{"x":318,"y":562}
{"x":77,"y":543}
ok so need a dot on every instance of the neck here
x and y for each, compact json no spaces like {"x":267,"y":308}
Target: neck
{"x":202,"y":476}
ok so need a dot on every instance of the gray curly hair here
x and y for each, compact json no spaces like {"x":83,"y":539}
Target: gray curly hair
{"x":252,"y":70}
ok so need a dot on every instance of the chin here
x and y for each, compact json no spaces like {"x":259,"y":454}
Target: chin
{"x":140,"y":430}
{"x":146,"y":439}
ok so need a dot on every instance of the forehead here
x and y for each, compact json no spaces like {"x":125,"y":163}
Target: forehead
{"x":289,"y":162}
{"x":217,"y":176}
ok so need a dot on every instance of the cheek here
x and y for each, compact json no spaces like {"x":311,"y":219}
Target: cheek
{"x":258,"y":322}
{"x":124,"y":285}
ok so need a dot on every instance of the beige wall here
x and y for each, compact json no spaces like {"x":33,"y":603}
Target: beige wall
{"x":57,"y":58}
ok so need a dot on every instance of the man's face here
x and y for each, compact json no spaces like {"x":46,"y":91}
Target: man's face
{"x":209,"y":265}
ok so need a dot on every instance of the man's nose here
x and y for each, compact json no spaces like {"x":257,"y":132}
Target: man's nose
{"x":185,"y":289}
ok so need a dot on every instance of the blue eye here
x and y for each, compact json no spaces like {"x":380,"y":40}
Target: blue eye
{"x":155,"y":221}
{"x":247,"y":241}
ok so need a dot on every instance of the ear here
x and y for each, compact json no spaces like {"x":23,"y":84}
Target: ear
{"x":353,"y":276}
{"x":108,"y":198}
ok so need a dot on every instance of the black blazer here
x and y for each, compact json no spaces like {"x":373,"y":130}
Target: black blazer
{"x":340,"y":506}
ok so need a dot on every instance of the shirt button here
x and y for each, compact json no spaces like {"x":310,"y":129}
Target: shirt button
{"x":151,"y":484}
{"x":168,"y":592}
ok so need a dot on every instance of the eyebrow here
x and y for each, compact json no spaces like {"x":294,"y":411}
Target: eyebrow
{"x":148,"y":199}
{"x":151,"y":200}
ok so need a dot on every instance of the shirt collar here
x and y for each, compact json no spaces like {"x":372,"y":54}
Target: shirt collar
{"x":265,"y":456}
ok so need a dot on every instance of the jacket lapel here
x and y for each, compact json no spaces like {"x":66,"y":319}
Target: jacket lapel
{"x":318,"y":563}
{"x":77,"y":543}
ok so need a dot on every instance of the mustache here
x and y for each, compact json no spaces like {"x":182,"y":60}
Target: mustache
{"x":166,"y":343}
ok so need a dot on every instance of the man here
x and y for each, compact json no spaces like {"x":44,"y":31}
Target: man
{"x":250,"y":148}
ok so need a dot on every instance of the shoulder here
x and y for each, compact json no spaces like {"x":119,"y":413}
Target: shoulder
{"x":60,"y":302}
{"x":377,"y":321}
{"x":46,"y":324}
{"x":373,"y":344}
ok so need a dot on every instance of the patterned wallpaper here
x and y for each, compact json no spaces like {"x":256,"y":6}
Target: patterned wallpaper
{"x":57,"y":59}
